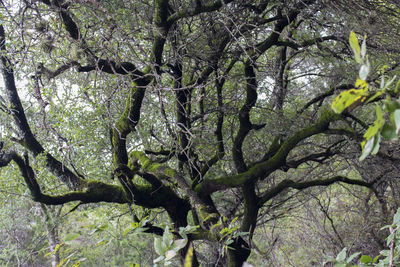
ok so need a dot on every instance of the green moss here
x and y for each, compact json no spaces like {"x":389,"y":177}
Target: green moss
{"x":327,"y":114}
{"x":139,"y":156}
{"x":127,"y":121}
{"x":202,"y":234}
{"x":97,"y":187}
{"x":160,"y":170}
{"x":263,"y":169}
{"x":96,"y":191}
{"x":161,"y":12}
{"x":170,"y":172}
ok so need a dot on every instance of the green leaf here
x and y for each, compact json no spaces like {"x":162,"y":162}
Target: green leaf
{"x":234,"y":220}
{"x":342,"y":255}
{"x":352,"y":257}
{"x":143,"y":221}
{"x":329,"y":259}
{"x":364,"y":47}
{"x":57,"y":248}
{"x":228,"y":242}
{"x":390,"y":238}
{"x":348,"y":98}
{"x":365,"y":259}
{"x":99,"y":229}
{"x":170,"y":254}
{"x":127,"y":230}
{"x":376,"y":127}
{"x":137,"y":227}
{"x":388,"y":132}
{"x":364,"y":70}
{"x":379,"y":113}
{"x":183,"y":231}
{"x":382,"y":84}
{"x":179,"y":244}
{"x":391,"y":105}
{"x":140,"y":230}
{"x":361,"y":84}
{"x":389,"y":82}
{"x":372,"y":98}
{"x":167,"y":237}
{"x":375,"y":148}
{"x":376,"y":258}
{"x":396,"y":88}
{"x":396,"y":120}
{"x":367,"y":148}
{"x":102,"y":242}
{"x":386,"y":227}
{"x":385,"y":252}
{"x":396,"y":218}
{"x":71,"y":237}
{"x":355,"y":46}
{"x":159,"y":259}
{"x":224,"y":231}
{"x":158,"y":246}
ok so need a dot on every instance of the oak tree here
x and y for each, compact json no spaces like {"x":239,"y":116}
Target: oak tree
{"x":202,"y":109}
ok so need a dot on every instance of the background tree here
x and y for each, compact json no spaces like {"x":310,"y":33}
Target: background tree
{"x":213,"y":112}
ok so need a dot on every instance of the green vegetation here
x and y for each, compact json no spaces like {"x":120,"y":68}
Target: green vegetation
{"x":389,"y":257}
{"x":199,"y":133}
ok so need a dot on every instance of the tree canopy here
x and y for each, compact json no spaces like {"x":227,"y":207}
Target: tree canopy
{"x":216,"y":113}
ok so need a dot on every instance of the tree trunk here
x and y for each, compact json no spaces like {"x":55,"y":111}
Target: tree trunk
{"x":52,"y":235}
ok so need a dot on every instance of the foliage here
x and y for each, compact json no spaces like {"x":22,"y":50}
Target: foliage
{"x":350,"y":99}
{"x":202,"y":124}
{"x":167,"y":247}
{"x":385,"y":258}
{"x":370,"y":145}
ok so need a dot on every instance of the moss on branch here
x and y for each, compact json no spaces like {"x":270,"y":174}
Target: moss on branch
{"x":128,"y":120}
{"x":263,"y":169}
{"x":92,"y":192}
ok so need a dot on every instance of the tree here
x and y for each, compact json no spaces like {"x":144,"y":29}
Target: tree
{"x":172,"y":99}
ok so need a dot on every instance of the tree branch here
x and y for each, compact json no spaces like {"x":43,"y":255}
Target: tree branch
{"x":219,"y":83}
{"x":330,"y":92}
{"x":29,"y":140}
{"x":263,"y":169}
{"x":190,"y":12}
{"x":94,"y":191}
{"x":127,"y":121}
{"x":317,"y":157}
{"x":105,"y":65}
{"x":272,"y":39}
{"x":42,"y":70}
{"x":244,"y":117}
{"x":308,"y":42}
{"x":304,"y":185}
{"x":111,"y":67}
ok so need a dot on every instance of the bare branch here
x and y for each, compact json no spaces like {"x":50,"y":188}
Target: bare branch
{"x":198,"y":9}
{"x":304,"y":185}
{"x":328,"y":93}
{"x":307,"y":43}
